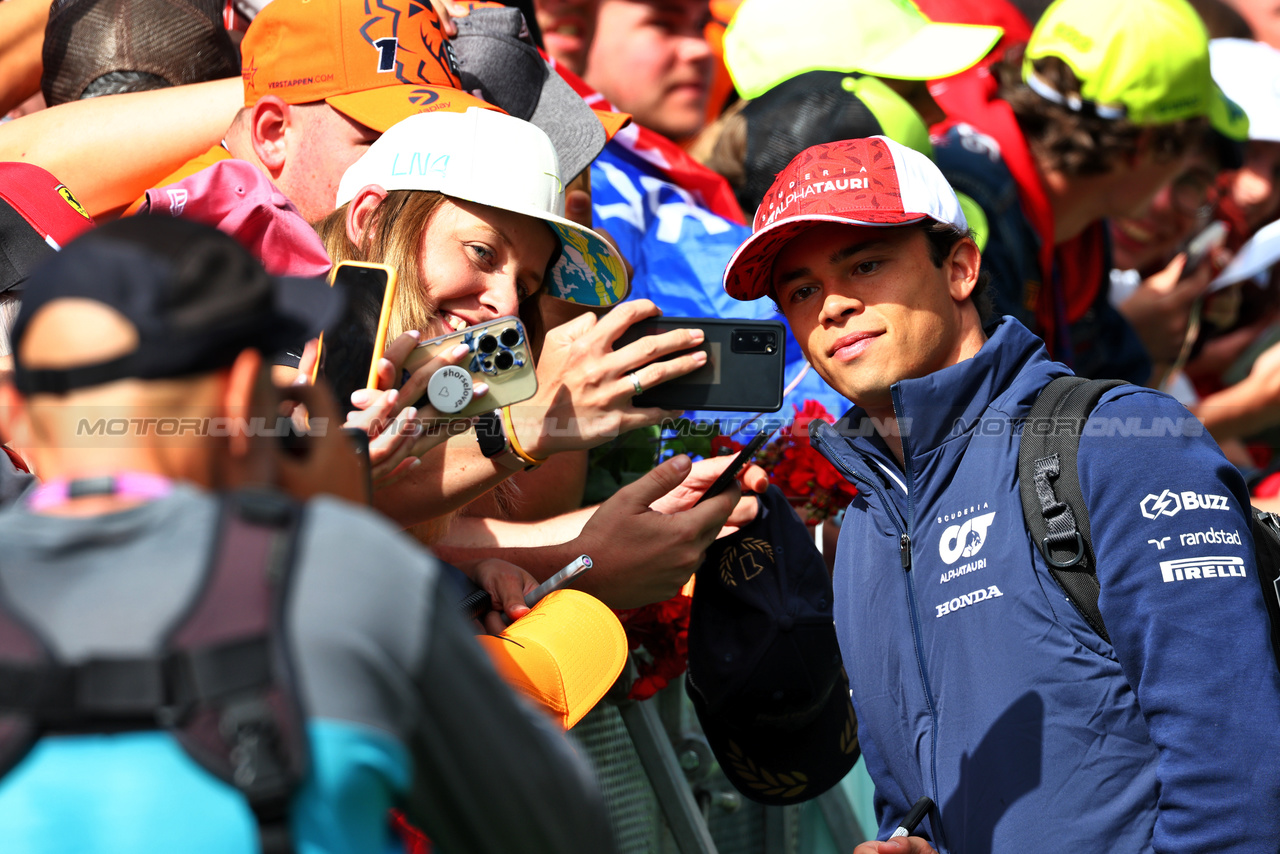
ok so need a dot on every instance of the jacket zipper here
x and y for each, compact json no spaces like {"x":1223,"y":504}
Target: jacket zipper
{"x":904,"y":551}
{"x":915,"y":617}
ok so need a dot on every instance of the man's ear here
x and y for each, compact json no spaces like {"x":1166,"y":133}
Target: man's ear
{"x":15,"y":423}
{"x":964,"y":265}
{"x":240,"y":398}
{"x":268,"y":126}
{"x":361,"y":213}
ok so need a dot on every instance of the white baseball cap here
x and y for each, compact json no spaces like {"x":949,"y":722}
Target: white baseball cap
{"x":498,"y":160}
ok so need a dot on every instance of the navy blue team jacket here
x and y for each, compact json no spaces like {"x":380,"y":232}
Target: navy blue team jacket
{"x":976,"y":681}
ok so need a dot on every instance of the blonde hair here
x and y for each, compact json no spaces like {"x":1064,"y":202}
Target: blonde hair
{"x":408,"y":213}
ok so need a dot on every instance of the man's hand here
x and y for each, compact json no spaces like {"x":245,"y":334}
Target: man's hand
{"x":752,"y":479}
{"x":506,"y":585}
{"x":326,"y":461}
{"x":901,"y":845}
{"x":641,"y":555}
{"x":1160,"y":308}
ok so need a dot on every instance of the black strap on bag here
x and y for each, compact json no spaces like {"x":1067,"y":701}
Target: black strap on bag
{"x":1052,"y":502}
{"x":1056,"y":515}
{"x":222,"y":684}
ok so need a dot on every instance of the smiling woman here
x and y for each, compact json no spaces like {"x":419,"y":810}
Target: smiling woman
{"x":470,"y":221}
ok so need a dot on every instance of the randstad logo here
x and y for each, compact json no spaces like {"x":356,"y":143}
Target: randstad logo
{"x":1170,"y":503}
{"x":964,"y":540}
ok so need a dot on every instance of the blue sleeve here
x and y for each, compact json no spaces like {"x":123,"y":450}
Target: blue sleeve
{"x":1171,"y":530}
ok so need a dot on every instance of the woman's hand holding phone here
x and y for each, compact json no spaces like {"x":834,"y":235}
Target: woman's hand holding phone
{"x":585,"y":386}
{"x":399,"y":434}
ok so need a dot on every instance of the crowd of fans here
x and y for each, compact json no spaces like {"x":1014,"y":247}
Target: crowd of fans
{"x":177,"y":179}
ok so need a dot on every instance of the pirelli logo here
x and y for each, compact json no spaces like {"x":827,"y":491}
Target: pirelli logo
{"x":1189,"y":568}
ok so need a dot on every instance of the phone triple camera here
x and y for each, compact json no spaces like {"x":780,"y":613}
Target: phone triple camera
{"x":494,"y":354}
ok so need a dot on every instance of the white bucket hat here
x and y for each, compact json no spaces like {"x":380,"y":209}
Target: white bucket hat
{"x":498,"y":160}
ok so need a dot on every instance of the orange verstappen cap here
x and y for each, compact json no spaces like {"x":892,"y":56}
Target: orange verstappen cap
{"x":565,"y":654}
{"x":374,"y":63}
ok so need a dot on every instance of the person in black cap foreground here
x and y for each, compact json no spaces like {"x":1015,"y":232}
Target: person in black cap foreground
{"x":341,"y":687}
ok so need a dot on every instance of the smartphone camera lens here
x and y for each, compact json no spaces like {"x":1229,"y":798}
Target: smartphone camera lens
{"x":504,"y":361}
{"x":487,"y":343}
{"x":755,"y":341}
{"x":510,"y":337}
{"x":486,"y":366}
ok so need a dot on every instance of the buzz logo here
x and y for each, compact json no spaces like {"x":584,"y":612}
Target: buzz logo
{"x":964,"y":540}
{"x":1189,"y":568}
{"x":1170,"y":503}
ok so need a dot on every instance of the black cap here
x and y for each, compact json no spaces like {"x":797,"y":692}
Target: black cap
{"x":195,"y":296}
{"x":808,"y":109}
{"x":765,"y":674}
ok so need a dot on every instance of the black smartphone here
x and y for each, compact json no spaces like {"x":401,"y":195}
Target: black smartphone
{"x":726,"y":477}
{"x":744,"y":369}
{"x":350,"y":347}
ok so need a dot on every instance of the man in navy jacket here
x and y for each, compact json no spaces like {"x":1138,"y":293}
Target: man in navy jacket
{"x":975,"y":680}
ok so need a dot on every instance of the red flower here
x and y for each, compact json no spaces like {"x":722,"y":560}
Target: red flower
{"x":804,"y":475}
{"x":658,"y":634}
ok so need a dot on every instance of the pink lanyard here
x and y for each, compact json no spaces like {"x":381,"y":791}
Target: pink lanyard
{"x":124,"y":484}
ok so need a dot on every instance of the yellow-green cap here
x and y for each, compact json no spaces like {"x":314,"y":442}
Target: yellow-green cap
{"x":1143,"y":60}
{"x":769,"y":41}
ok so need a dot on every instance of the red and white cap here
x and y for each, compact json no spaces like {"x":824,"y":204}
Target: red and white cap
{"x":869,"y":182}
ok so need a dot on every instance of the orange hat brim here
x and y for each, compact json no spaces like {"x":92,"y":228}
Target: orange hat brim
{"x":379,"y":109}
{"x":613,"y":122}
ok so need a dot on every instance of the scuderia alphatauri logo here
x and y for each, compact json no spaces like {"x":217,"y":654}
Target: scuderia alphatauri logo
{"x":1171,"y":503}
{"x":964,"y":539}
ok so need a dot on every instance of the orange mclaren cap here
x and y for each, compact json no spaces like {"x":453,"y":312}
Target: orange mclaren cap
{"x":376,"y":64}
{"x":565,"y":654}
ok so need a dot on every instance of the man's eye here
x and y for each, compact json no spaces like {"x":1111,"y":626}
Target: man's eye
{"x":867,"y":267}
{"x":801,"y":293}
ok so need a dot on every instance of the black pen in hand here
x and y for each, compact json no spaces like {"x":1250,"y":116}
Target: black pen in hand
{"x":913,"y":818}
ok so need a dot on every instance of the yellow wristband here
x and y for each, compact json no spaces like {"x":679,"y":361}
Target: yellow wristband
{"x":515,"y":443}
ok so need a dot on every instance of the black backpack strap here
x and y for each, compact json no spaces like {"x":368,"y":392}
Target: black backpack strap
{"x":1049,"y":482}
{"x":223,"y":684}
{"x":248,"y":726}
{"x":24,"y":655}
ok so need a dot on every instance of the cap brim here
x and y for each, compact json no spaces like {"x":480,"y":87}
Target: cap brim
{"x":935,"y":50}
{"x":565,"y":654}
{"x":379,"y":109}
{"x":748,"y":273}
{"x":1227,"y":117}
{"x":573,"y":127}
{"x":779,"y":766}
{"x":306,"y":308}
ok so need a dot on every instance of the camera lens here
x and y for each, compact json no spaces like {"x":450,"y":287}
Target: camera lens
{"x":504,"y":361}
{"x":510,"y":337}
{"x":486,"y":366}
{"x":487,"y":343}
